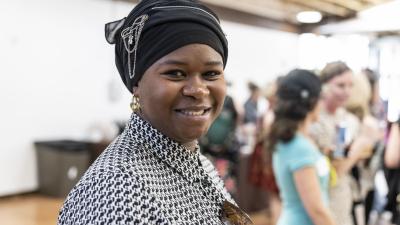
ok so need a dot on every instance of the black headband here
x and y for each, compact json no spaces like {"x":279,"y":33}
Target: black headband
{"x":155,"y":28}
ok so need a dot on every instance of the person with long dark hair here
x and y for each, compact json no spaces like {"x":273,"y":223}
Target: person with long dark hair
{"x":392,"y":164}
{"x":301,"y":170}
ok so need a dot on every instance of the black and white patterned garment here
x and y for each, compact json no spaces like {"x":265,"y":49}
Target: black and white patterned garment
{"x":144,"y":177}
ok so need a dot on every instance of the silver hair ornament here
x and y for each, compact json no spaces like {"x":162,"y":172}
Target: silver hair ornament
{"x":130,"y":36}
{"x":304,"y":94}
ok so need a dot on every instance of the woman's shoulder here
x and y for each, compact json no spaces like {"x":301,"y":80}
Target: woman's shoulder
{"x":109,"y":189}
{"x":114,"y":163}
{"x":120,"y":154}
{"x":299,"y":145}
{"x":110,"y":170}
{"x":108,"y":195}
{"x":298,"y":141}
{"x":298,"y":153}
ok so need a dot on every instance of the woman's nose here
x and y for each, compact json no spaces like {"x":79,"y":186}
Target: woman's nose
{"x":196,"y":88}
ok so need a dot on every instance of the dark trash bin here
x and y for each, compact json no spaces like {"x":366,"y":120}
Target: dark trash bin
{"x":96,"y":148}
{"x":61,"y":163}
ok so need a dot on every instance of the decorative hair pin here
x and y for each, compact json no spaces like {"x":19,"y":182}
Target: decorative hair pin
{"x":304,"y":94}
{"x":130,"y":37}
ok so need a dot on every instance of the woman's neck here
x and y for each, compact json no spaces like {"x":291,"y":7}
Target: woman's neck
{"x":304,"y":126}
{"x":191,"y":146}
{"x":330,"y":108}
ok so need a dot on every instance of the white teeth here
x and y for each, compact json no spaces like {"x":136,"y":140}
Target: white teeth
{"x":193,"y":113}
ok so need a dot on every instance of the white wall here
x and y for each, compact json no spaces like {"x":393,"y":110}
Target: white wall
{"x":57,"y":75}
{"x":257,"y":54}
{"x":56,"y":70}
{"x":315,"y":51}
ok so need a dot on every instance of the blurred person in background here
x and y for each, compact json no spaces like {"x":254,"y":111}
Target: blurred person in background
{"x":376,"y":106}
{"x":171,"y":56}
{"x":364,"y":171}
{"x":261,"y":174}
{"x":254,"y":108}
{"x":250,"y":197}
{"x":392,"y":163}
{"x":301,"y":170}
{"x":336,"y":135}
{"x":252,"y":104}
{"x":221,"y":145}
{"x":268,"y":117}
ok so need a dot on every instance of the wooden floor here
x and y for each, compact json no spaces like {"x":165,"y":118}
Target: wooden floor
{"x":32,"y":209}
{"x":35,"y":209}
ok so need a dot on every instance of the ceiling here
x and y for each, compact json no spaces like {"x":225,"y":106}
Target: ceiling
{"x":281,"y":14}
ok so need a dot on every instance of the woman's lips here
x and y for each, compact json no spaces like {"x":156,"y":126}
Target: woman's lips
{"x":195,"y":113}
{"x":190,"y":112}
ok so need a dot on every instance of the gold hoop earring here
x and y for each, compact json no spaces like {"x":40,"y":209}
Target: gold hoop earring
{"x":135,"y":105}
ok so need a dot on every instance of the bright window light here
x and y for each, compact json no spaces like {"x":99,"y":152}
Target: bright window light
{"x":309,"y":17}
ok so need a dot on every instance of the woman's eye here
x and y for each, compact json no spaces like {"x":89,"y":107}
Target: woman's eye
{"x":341,"y":86}
{"x":174,"y":74}
{"x":212,"y":75}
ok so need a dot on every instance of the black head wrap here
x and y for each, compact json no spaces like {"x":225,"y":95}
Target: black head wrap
{"x":154,"y":28}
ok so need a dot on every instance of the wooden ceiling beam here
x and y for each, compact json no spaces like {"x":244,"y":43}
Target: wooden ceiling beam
{"x":250,"y":8}
{"x":324,"y":7}
{"x":354,"y":5}
{"x":277,"y":4}
{"x":246,"y":16}
{"x":376,"y":2}
{"x":281,"y":14}
{"x":265,"y":8}
{"x":277,"y":15}
{"x":253,"y":20}
{"x":283,"y":5}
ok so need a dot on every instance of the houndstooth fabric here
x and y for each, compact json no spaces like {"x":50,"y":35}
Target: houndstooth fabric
{"x":144,"y":177}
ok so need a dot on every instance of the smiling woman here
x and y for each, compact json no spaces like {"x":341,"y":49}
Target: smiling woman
{"x":191,"y":84}
{"x":171,"y":56}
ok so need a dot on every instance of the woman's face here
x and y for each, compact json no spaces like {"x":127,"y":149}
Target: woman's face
{"x":182,"y":93}
{"x":338,"y":89}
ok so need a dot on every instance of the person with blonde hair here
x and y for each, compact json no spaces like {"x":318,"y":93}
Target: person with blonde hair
{"x":336,"y":135}
{"x":371,"y":135}
{"x":359,"y":97}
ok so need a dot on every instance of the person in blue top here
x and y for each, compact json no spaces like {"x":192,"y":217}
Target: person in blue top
{"x":301,"y":171}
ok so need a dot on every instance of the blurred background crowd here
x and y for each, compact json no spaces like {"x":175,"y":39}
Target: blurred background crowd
{"x":353,"y":131}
